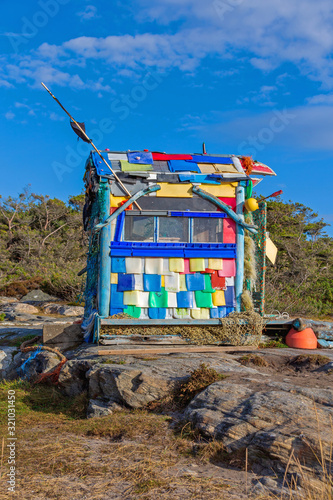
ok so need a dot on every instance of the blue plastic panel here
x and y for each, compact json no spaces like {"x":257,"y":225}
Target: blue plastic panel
{"x":152,"y":282}
{"x":101,"y":168}
{"x":219,"y":215}
{"x":214,"y":312}
{"x":185,"y":300}
{"x":157,"y":312}
{"x":115,"y":311}
{"x":229,"y":294}
{"x":118,"y":264}
{"x":225,"y":160}
{"x":183,"y":166}
{"x":202,"y":178}
{"x":145,"y":249}
{"x":222,"y":311}
{"x":117,"y":298}
{"x":144,"y":157}
{"x":126,"y":282}
{"x":195,"y":281}
{"x":119,"y":226}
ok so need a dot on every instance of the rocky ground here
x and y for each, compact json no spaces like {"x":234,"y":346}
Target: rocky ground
{"x":269,"y":411}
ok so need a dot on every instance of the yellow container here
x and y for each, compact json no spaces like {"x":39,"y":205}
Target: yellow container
{"x":197,"y":265}
{"x":132,"y":298}
{"x":216,"y":264}
{"x":219,"y":298}
{"x":114,"y":278}
{"x":176,"y":265}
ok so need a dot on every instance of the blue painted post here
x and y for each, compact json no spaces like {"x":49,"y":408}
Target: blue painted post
{"x":240,"y":198}
{"x":104,"y":278}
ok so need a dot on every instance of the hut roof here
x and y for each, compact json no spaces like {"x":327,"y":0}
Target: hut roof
{"x":175,"y":168}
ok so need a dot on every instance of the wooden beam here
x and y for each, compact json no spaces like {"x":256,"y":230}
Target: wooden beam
{"x":174,"y":350}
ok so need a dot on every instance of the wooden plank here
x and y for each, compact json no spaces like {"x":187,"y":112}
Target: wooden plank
{"x":174,"y":350}
{"x":141,"y":339}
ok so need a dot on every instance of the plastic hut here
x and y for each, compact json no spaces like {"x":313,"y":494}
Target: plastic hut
{"x":166,"y":238}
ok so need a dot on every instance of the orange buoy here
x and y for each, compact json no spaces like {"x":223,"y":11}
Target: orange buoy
{"x":305,"y":339}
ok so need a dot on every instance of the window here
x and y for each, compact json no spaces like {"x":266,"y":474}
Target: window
{"x":207,"y":230}
{"x":139,"y":228}
{"x":173,"y":229}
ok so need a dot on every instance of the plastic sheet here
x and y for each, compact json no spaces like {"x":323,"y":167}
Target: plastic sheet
{"x":219,"y":298}
{"x":172,"y":283}
{"x":203,"y":299}
{"x":132,"y":298}
{"x":134,"y":265}
{"x":176,"y":265}
{"x":153,"y":265}
{"x":197,"y":265}
{"x":152,"y":282}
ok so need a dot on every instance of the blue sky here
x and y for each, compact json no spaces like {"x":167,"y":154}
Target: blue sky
{"x":246,"y":77}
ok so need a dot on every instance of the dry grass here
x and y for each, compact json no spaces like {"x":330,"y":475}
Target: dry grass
{"x":130,"y":454}
{"x":186,"y":390}
{"x":126,"y":455}
{"x":309,"y":360}
{"x":253,"y":359}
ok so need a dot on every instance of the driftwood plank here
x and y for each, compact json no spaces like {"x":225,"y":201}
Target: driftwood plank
{"x":141,"y":339}
{"x":173,"y":350}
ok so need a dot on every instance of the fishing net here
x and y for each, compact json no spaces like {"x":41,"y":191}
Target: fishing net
{"x":91,"y":287}
{"x":239,"y":328}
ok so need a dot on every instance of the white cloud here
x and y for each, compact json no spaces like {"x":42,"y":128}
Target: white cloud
{"x":266,"y":34}
{"x":9,"y":115}
{"x":90,"y":12}
{"x":56,"y":118}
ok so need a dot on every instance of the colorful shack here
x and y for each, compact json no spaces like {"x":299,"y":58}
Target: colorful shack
{"x":166,"y":237}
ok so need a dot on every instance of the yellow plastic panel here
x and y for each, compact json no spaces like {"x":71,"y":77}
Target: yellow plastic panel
{"x":182,"y":283}
{"x":181,"y":313}
{"x":226,"y":189}
{"x":216,"y":264}
{"x":218,"y":298}
{"x":174,"y":190}
{"x":176,"y":265}
{"x":271,"y":250}
{"x":162,"y":281}
{"x":206,"y":168}
{"x":225,"y":168}
{"x":197,"y":265}
{"x":114,"y":278}
{"x":132,"y":298}
{"x":117,"y":200}
{"x":200,"y":313}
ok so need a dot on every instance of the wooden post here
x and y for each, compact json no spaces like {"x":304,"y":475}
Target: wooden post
{"x":104,"y":284}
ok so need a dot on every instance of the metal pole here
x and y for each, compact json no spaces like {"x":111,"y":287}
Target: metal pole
{"x":88,"y":139}
{"x":240,"y":198}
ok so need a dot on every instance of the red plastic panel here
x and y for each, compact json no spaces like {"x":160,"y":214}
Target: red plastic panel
{"x":260,"y":168}
{"x":165,"y":157}
{"x":218,"y":282}
{"x":229,"y":231}
{"x":229,"y":268}
{"x":229,"y":201}
{"x":187,"y":267}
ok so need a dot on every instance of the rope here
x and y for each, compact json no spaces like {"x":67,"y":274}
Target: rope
{"x":53,"y":376}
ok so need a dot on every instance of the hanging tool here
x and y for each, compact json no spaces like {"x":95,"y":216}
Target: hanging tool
{"x":90,"y":141}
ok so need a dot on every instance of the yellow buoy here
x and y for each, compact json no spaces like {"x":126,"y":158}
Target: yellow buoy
{"x":251,"y":204}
